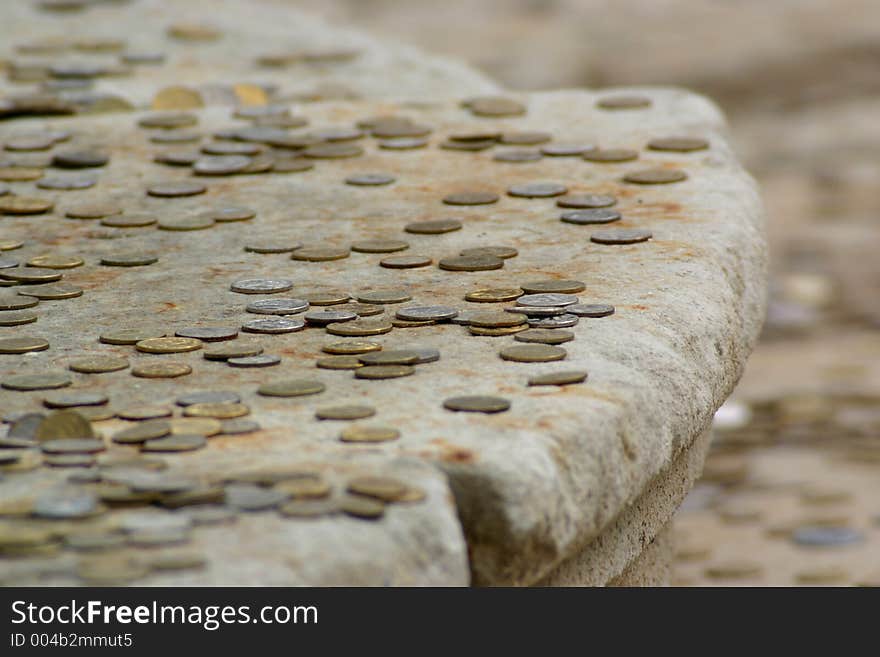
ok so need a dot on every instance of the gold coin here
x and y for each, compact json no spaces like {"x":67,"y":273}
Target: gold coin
{"x":193,"y":32}
{"x":220,"y":411}
{"x":98,"y":364}
{"x":24,"y":205}
{"x":314,"y":487}
{"x":386,"y":489}
{"x":96,"y":413}
{"x":494,"y":295}
{"x":533,"y":353}
{"x":368,"y":434}
{"x":360,"y":327}
{"x":545,"y":336}
{"x":129,"y":336}
{"x":142,"y":431}
{"x":55,"y":261}
{"x":497,"y":332}
{"x":346,"y":412}
{"x":559,"y":378}
{"x":160,"y":370}
{"x":22,"y":345}
{"x":497,"y":319}
{"x":655,"y":176}
{"x":201,"y":426}
{"x":66,"y":424}
{"x":250,"y":94}
{"x":375,"y":372}
{"x":362,"y":507}
{"x":383,"y":296}
{"x":553,"y":286}
{"x":145,"y":412}
{"x":320,"y":253}
{"x":291,"y":388}
{"x":51,"y":291}
{"x":172,"y":345}
{"x":41,"y":381}
{"x":111,"y":570}
{"x":10,"y":245}
{"x":94,"y":210}
{"x":20,"y":174}
{"x":351,"y":347}
{"x":338,"y":363}
{"x":325,"y":297}
{"x":177,"y":98}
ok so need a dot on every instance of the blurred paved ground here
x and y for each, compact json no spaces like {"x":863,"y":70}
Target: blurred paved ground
{"x":799,"y":82}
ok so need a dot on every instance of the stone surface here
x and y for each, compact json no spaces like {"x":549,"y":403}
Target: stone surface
{"x":247,"y":32}
{"x":533,"y":486}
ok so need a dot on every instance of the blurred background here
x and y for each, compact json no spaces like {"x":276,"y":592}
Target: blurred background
{"x":791,"y":489}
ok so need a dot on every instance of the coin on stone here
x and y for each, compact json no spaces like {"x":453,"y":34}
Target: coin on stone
{"x":22,"y":345}
{"x":621,"y":236}
{"x":546,"y":300}
{"x":248,"y":497}
{"x":238,"y":426}
{"x":345,"y":412}
{"x":173,"y":345}
{"x":218,"y":410}
{"x":193,"y":222}
{"x":565,"y":320}
{"x":590,"y":309}
{"x":320,"y":253}
{"x":383,"y":296}
{"x":20,"y":174}
{"x":52,"y":291}
{"x":559,"y":378}
{"x":495,"y":106}
{"x":390,"y":357}
{"x":333,"y":151}
{"x":471,"y":198}
{"x":471,"y":263}
{"x":275,"y":325}
{"x":403,"y":143}
{"x":130,"y":336}
{"x":426,"y":313}
{"x":370,"y":179}
{"x":655,"y":176}
{"x":231,"y":213}
{"x":176,"y":189}
{"x":236,"y":349}
{"x":537,"y":190}
{"x":553,"y":286}
{"x":678,"y":144}
{"x":67,"y":183}
{"x":362,"y":507}
{"x":495,"y":332}
{"x":433,"y":226}
{"x":503,"y":252}
{"x":145,"y":412}
{"x":623,"y":102}
{"x":379,"y":246}
{"x":203,"y":426}
{"x":55,"y":261}
{"x":377,"y":372}
{"x":77,"y":398}
{"x":352,"y":347}
{"x":63,"y":425}
{"x":493,"y":295}
{"x":262,"y":360}
{"x":66,"y":503}
{"x":562,"y":149}
{"x":129,"y":259}
{"x":207,"y":333}
{"x":323,"y":317}
{"x":93,"y":210}
{"x":586,"y":201}
{"x":592,"y":216}
{"x":160,"y":370}
{"x":545,"y":336}
{"x":517,"y":156}
{"x":142,"y":432}
{"x":386,"y":489}
{"x":291,"y":388}
{"x":31,"y":275}
{"x":611,"y":155}
{"x":307,"y":486}
{"x":533,"y":353}
{"x":360,"y":328}
{"x":338,"y":363}
{"x":325,"y":297}
{"x":272,"y":246}
{"x":175,"y":443}
{"x":10,"y":301}
{"x":17,"y":317}
{"x":496,"y":319}
{"x":261,"y":285}
{"x":477,"y":404}
{"x":73,"y":446}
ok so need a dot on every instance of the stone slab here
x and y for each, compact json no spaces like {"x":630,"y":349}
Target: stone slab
{"x":532,"y":485}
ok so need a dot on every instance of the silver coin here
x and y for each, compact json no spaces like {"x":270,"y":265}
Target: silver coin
{"x":261,"y":285}
{"x":547,"y":300}
{"x":426,"y":313}
{"x":220,"y":165}
{"x":8,"y":263}
{"x":207,"y":333}
{"x":560,"y":321}
{"x":262,"y":360}
{"x":591,"y":309}
{"x":67,"y":183}
{"x":274,"y":325}
{"x":591,"y":216}
{"x":537,"y":190}
{"x":586,"y":201}
{"x":277,"y":306}
{"x":539,"y":311}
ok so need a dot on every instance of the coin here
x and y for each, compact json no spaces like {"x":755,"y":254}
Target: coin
{"x":175,"y":189}
{"x":362,"y":507}
{"x":553,"y":286}
{"x":10,"y":301}
{"x":547,"y":299}
{"x":67,"y":183}
{"x":160,"y":370}
{"x":169,"y":120}
{"x":477,"y":404}
{"x":291,"y":165}
{"x":262,"y":360}
{"x":471,"y":198}
{"x":16,"y":318}
{"x":621,"y":236}
{"x":533,"y":353}
{"x":333,"y":151}
{"x":537,"y":190}
{"x":78,"y":398}
{"x":273,"y":326}
{"x":228,"y":148}
{"x":496,"y":319}
{"x":370,"y":179}
{"x":142,"y":432}
{"x":203,"y":426}
{"x":130,"y":336}
{"x":545,"y":336}
{"x":195,"y":222}
{"x":231,"y":213}
{"x":207,"y":333}
{"x":383,"y":296}
{"x":376,"y":372}
{"x":623,"y":102}
{"x":175,"y":443}
{"x":218,"y":410}
{"x":402,"y":143}
{"x":320,"y":253}
{"x":495,"y":106}
{"x":239,"y":426}
{"x":63,"y":425}
{"x":565,"y":320}
{"x":176,"y":137}
{"x":92,"y":210}
{"x":236,"y":349}
{"x":493,"y":295}
{"x":96,"y":413}
{"x":325,"y":297}
{"x":220,"y":165}
{"x":291,"y":388}
{"x":352,"y":347}
{"x":566,"y":150}
{"x":386,"y":489}
{"x":586,"y":201}
{"x":144,"y":412}
{"x":247,"y":497}
{"x":433,"y":226}
{"x":134,"y":259}
{"x":305,"y":487}
{"x":338,"y":363}
{"x":168,"y":345}
{"x":678,"y":144}
{"x":590,"y":309}
{"x":55,"y":261}
{"x":655,"y":176}
{"x":559,"y":378}
{"x":261,"y":285}
{"x":594,"y":216}
{"x":503,"y":252}
{"x":360,"y":327}
{"x":52,"y":291}
{"x":22,"y":345}
{"x":379,"y":246}
{"x":471,"y":263}
{"x":72,"y":446}
{"x":31,"y":275}
{"x":20,"y":174}
{"x":346,"y":412}
{"x":10,"y":245}
{"x":525,"y":138}
{"x":270,"y":246}
{"x":611,"y":155}
{"x":518,"y":155}
{"x":208,"y":397}
{"x":471,"y":146}
{"x":65,"y":503}
{"x":390,"y":357}
{"x":426,"y":313}
{"x":496,"y":331}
